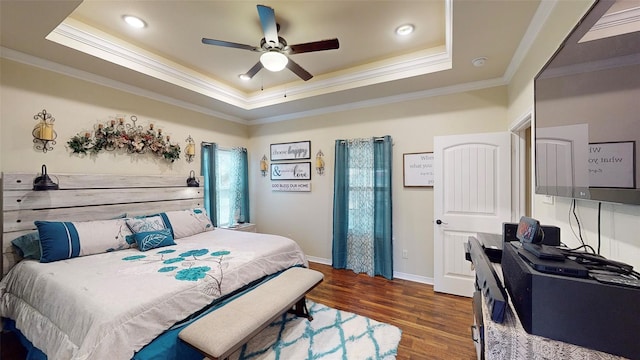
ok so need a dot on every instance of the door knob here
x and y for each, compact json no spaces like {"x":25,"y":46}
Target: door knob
{"x":440,"y":222}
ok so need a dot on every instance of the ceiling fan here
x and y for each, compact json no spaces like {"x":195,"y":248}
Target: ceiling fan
{"x":275,"y":49}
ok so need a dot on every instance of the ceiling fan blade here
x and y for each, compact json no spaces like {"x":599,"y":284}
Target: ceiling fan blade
{"x":314,"y":46}
{"x":269,"y":26}
{"x":229,"y":44}
{"x":298,"y":70}
{"x":254,"y":70}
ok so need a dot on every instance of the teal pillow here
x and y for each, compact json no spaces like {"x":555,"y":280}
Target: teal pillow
{"x":28,"y":245}
{"x":148,"y":240}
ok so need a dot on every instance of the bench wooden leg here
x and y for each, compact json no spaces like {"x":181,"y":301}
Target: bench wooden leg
{"x":300,"y":309}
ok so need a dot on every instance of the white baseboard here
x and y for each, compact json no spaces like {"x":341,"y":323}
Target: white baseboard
{"x":414,"y":278}
{"x":319,"y":260}
{"x":399,"y":275}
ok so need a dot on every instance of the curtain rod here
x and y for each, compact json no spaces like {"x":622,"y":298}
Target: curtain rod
{"x":375,"y":138}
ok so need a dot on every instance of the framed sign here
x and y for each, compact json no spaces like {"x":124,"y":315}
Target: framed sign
{"x":418,"y":169}
{"x":291,"y":151}
{"x":612,"y":164}
{"x":291,"y":171}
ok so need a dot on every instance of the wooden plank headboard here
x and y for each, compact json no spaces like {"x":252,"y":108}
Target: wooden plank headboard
{"x":87,"y":197}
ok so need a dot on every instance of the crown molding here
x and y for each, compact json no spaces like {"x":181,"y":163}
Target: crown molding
{"x":533,"y":30}
{"x":84,"y":38}
{"x":447,"y":90}
{"x":26,"y":59}
{"x":81,"y":37}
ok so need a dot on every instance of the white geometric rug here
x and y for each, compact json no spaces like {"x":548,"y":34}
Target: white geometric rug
{"x":333,"y":334}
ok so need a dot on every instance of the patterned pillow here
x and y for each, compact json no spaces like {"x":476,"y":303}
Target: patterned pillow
{"x":28,"y":245}
{"x":148,"y":240}
{"x":144,"y":224}
{"x":66,"y":240}
{"x":188,"y":222}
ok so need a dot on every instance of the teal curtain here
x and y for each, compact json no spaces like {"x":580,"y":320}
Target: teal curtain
{"x":226,"y":184}
{"x":362,"y":208}
{"x":238,"y":186}
{"x":209,"y":153}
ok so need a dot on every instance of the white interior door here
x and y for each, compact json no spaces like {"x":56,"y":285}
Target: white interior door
{"x":472,"y":194}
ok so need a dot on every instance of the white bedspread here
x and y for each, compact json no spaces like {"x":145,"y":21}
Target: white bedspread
{"x":108,"y":306}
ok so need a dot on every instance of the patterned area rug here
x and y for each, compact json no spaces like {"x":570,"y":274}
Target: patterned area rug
{"x":333,"y":334}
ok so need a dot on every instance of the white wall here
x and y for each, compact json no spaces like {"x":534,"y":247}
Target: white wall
{"x":620,"y":224}
{"x":307,"y":217}
{"x":77,"y":106}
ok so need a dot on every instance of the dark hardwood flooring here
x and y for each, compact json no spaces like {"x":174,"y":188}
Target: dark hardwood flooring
{"x":434,"y":326}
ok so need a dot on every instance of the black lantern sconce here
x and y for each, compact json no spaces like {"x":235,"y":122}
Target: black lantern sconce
{"x":264,"y":166}
{"x":44,"y":136}
{"x":192,"y":181}
{"x":44,"y":182}
{"x":190,"y":149}
{"x":320,"y":162}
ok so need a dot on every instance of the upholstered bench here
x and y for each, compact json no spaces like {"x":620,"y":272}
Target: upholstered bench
{"x":223,"y":331}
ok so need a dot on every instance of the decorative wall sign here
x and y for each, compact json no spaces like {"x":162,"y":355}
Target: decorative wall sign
{"x":612,"y":164}
{"x":291,"y":151}
{"x":418,"y":169}
{"x":291,"y":186}
{"x":291,"y":171}
{"x":129,"y":137}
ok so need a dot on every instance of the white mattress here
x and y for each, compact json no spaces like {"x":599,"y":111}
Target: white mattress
{"x":108,"y":306}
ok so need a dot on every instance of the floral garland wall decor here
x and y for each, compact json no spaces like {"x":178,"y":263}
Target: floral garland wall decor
{"x":129,"y":137}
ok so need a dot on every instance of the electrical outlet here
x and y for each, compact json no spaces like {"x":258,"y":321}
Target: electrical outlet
{"x":547,"y":199}
{"x":405,"y":254}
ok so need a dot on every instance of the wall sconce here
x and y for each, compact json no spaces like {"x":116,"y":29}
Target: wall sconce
{"x":263,"y":165}
{"x":44,"y":182}
{"x":190,"y":149}
{"x":191,"y":180}
{"x":44,"y":137}
{"x":320,"y":162}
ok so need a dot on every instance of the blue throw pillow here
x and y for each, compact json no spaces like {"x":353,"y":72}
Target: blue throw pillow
{"x":28,"y":245}
{"x":65,"y":240}
{"x":148,"y":240}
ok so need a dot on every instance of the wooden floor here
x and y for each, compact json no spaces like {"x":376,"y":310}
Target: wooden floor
{"x":434,"y":326}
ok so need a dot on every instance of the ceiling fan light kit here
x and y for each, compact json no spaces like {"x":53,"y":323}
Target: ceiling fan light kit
{"x":274,"y":49}
{"x":274,"y":61}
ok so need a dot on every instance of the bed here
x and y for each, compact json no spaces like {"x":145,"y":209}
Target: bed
{"x":123,"y":303}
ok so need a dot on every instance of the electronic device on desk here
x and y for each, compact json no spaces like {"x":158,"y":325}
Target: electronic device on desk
{"x":562,"y":266}
{"x":492,"y":245}
{"x":530,"y":234}
{"x":487,"y":281}
{"x":597,"y":311}
{"x":551,"y":233}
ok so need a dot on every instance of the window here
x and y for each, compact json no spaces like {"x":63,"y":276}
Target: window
{"x":223,"y":190}
{"x":226,"y":184}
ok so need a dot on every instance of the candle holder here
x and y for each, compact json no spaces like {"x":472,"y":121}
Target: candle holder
{"x":190,"y":149}
{"x":44,"y":136}
{"x":320,"y":162}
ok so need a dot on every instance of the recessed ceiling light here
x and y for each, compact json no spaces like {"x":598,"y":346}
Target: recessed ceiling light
{"x":134,"y":21}
{"x":244,"y":77}
{"x":405,"y":29}
{"x":479,"y":61}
